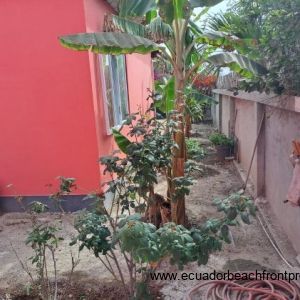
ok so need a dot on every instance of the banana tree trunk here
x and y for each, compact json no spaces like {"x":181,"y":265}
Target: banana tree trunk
{"x":178,"y":204}
{"x":188,"y":125}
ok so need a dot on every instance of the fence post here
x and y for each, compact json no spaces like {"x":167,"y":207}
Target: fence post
{"x":259,"y":161}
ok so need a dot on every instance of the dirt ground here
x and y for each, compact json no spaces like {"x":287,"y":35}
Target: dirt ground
{"x":250,"y":250}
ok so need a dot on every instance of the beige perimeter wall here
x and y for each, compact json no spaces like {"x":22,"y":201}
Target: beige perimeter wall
{"x":271,"y":172}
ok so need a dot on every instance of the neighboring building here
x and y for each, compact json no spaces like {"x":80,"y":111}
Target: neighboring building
{"x":57,"y":105}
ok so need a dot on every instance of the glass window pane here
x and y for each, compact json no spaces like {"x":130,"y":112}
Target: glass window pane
{"x":123,"y":86}
{"x":115,"y":88}
{"x":108,"y":89}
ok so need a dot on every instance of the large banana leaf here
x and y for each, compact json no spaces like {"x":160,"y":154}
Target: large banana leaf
{"x":226,"y":41}
{"x":167,"y":91}
{"x":166,"y":10}
{"x":172,"y":9}
{"x":150,"y":15}
{"x":204,"y":3}
{"x":238,"y":63}
{"x":114,"y":43}
{"x":217,"y":39}
{"x":157,"y":30}
{"x":179,"y":7}
{"x":135,"y":8}
{"x":121,"y":140}
{"x":129,"y":26}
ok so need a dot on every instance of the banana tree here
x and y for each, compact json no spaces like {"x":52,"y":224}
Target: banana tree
{"x":166,"y":27}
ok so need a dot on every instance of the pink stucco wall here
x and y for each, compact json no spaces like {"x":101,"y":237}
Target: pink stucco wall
{"x":281,"y":128}
{"x":47,"y":126}
{"x":139,"y":78}
{"x":51,"y":117}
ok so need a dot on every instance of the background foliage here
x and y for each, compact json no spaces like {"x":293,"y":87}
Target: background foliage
{"x":267,"y":31}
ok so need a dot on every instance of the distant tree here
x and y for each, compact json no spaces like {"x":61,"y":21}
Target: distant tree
{"x":270,"y":29}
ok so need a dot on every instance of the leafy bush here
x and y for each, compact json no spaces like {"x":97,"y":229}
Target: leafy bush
{"x":125,"y":228}
{"x":236,"y":204}
{"x":194,"y":149}
{"x":93,"y":233}
{"x":194,"y":106}
{"x":43,"y":239}
{"x":220,"y":139}
{"x":142,"y":243}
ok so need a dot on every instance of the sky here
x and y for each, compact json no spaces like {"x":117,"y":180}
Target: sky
{"x":221,"y":7}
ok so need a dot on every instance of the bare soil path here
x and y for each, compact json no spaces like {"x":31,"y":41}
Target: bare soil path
{"x":251,"y":249}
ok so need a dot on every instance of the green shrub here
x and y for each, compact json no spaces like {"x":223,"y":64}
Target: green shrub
{"x":220,"y":139}
{"x":194,"y":149}
{"x":124,"y":232}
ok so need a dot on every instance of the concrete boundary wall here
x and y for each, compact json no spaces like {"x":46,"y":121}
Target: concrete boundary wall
{"x":273,"y":122}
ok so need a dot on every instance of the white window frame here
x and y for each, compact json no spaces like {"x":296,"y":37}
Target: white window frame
{"x":117,"y":102}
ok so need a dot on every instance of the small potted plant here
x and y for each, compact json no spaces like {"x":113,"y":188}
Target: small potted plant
{"x":223,"y":144}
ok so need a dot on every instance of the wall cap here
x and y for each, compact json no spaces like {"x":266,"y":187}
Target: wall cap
{"x":291,"y":103}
